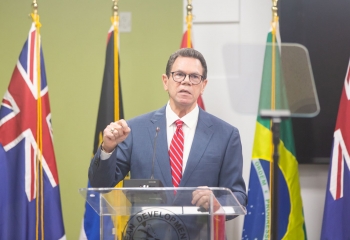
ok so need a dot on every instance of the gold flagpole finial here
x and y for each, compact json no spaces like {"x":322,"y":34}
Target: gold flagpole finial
{"x":35,"y":7}
{"x":189,"y":7}
{"x":115,"y":8}
{"x":274,"y":9}
{"x":35,"y":15}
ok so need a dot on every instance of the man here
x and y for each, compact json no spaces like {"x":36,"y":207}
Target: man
{"x":211,"y":154}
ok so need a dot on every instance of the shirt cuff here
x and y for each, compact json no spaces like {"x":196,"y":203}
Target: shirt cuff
{"x":104,"y":155}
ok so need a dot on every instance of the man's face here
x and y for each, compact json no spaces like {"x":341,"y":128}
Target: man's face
{"x":184,"y":95}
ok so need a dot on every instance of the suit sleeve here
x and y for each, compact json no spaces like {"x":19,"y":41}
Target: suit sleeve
{"x":109,"y":172}
{"x":231,"y":170}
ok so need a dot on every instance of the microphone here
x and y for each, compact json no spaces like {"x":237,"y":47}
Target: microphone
{"x":154,"y":151}
{"x":152,"y":182}
{"x":146,"y":197}
{"x":146,"y":183}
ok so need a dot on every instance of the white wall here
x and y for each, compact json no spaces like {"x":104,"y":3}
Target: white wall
{"x":226,"y":96}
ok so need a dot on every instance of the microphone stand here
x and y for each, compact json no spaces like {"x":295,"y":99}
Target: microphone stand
{"x":154,"y":151}
{"x":276,"y":117}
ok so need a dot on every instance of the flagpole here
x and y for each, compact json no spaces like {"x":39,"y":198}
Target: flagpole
{"x":115,"y":22}
{"x":189,"y":23}
{"x":276,"y":117}
{"x":39,"y":141}
{"x":119,"y":220}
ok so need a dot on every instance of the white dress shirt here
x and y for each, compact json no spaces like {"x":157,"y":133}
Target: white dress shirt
{"x":189,"y":128}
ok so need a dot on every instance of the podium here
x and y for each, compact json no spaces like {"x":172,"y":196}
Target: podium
{"x":161,"y":213}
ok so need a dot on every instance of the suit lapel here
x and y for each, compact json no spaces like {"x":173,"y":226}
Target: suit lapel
{"x":161,"y":149}
{"x":200,"y":142}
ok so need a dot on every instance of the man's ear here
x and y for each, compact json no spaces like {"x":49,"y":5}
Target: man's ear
{"x":165,"y":80}
{"x":204,"y":85}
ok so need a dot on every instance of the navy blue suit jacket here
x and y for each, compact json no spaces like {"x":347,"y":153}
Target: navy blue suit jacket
{"x":215,"y":158}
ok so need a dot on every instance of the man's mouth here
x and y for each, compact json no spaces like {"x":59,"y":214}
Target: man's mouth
{"x":184,"y":91}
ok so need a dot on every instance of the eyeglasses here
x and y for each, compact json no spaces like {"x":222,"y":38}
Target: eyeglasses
{"x":180,"y":76}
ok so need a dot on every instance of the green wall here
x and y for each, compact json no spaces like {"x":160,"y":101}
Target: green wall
{"x":74,"y":43}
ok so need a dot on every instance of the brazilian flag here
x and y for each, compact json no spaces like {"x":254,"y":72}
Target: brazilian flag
{"x":257,"y":222}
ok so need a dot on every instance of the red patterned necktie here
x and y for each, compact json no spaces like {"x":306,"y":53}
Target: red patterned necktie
{"x":176,"y":153}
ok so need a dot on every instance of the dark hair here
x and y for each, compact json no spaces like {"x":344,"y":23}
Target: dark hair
{"x":186,"y":52}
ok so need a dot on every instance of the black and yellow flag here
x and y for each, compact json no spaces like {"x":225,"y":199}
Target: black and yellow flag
{"x":111,"y":105}
{"x":110,"y":109}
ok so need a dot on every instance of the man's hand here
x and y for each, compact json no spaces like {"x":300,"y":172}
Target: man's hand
{"x":113,"y":134}
{"x":201,"y":198}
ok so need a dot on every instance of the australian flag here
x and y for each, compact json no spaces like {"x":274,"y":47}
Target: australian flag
{"x":30,"y":204}
{"x":336,"y":215}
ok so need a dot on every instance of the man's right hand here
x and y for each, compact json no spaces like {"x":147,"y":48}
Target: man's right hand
{"x":113,"y":134}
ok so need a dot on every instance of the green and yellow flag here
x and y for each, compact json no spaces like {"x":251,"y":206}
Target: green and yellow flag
{"x":257,"y":223}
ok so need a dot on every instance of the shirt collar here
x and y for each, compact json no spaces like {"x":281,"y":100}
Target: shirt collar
{"x":190,"y":119}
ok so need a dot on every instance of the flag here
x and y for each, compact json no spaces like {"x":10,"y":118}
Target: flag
{"x":336,"y":214}
{"x":110,"y":109}
{"x":290,"y":218}
{"x":187,"y":43}
{"x":30,"y":204}
{"x":218,"y":220}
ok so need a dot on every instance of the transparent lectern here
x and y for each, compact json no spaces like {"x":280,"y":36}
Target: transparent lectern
{"x":161,"y":213}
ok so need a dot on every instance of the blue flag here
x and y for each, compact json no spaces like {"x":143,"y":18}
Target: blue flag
{"x":336,"y":215}
{"x":30,"y":204}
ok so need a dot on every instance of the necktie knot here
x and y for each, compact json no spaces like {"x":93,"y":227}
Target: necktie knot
{"x":179,"y":123}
